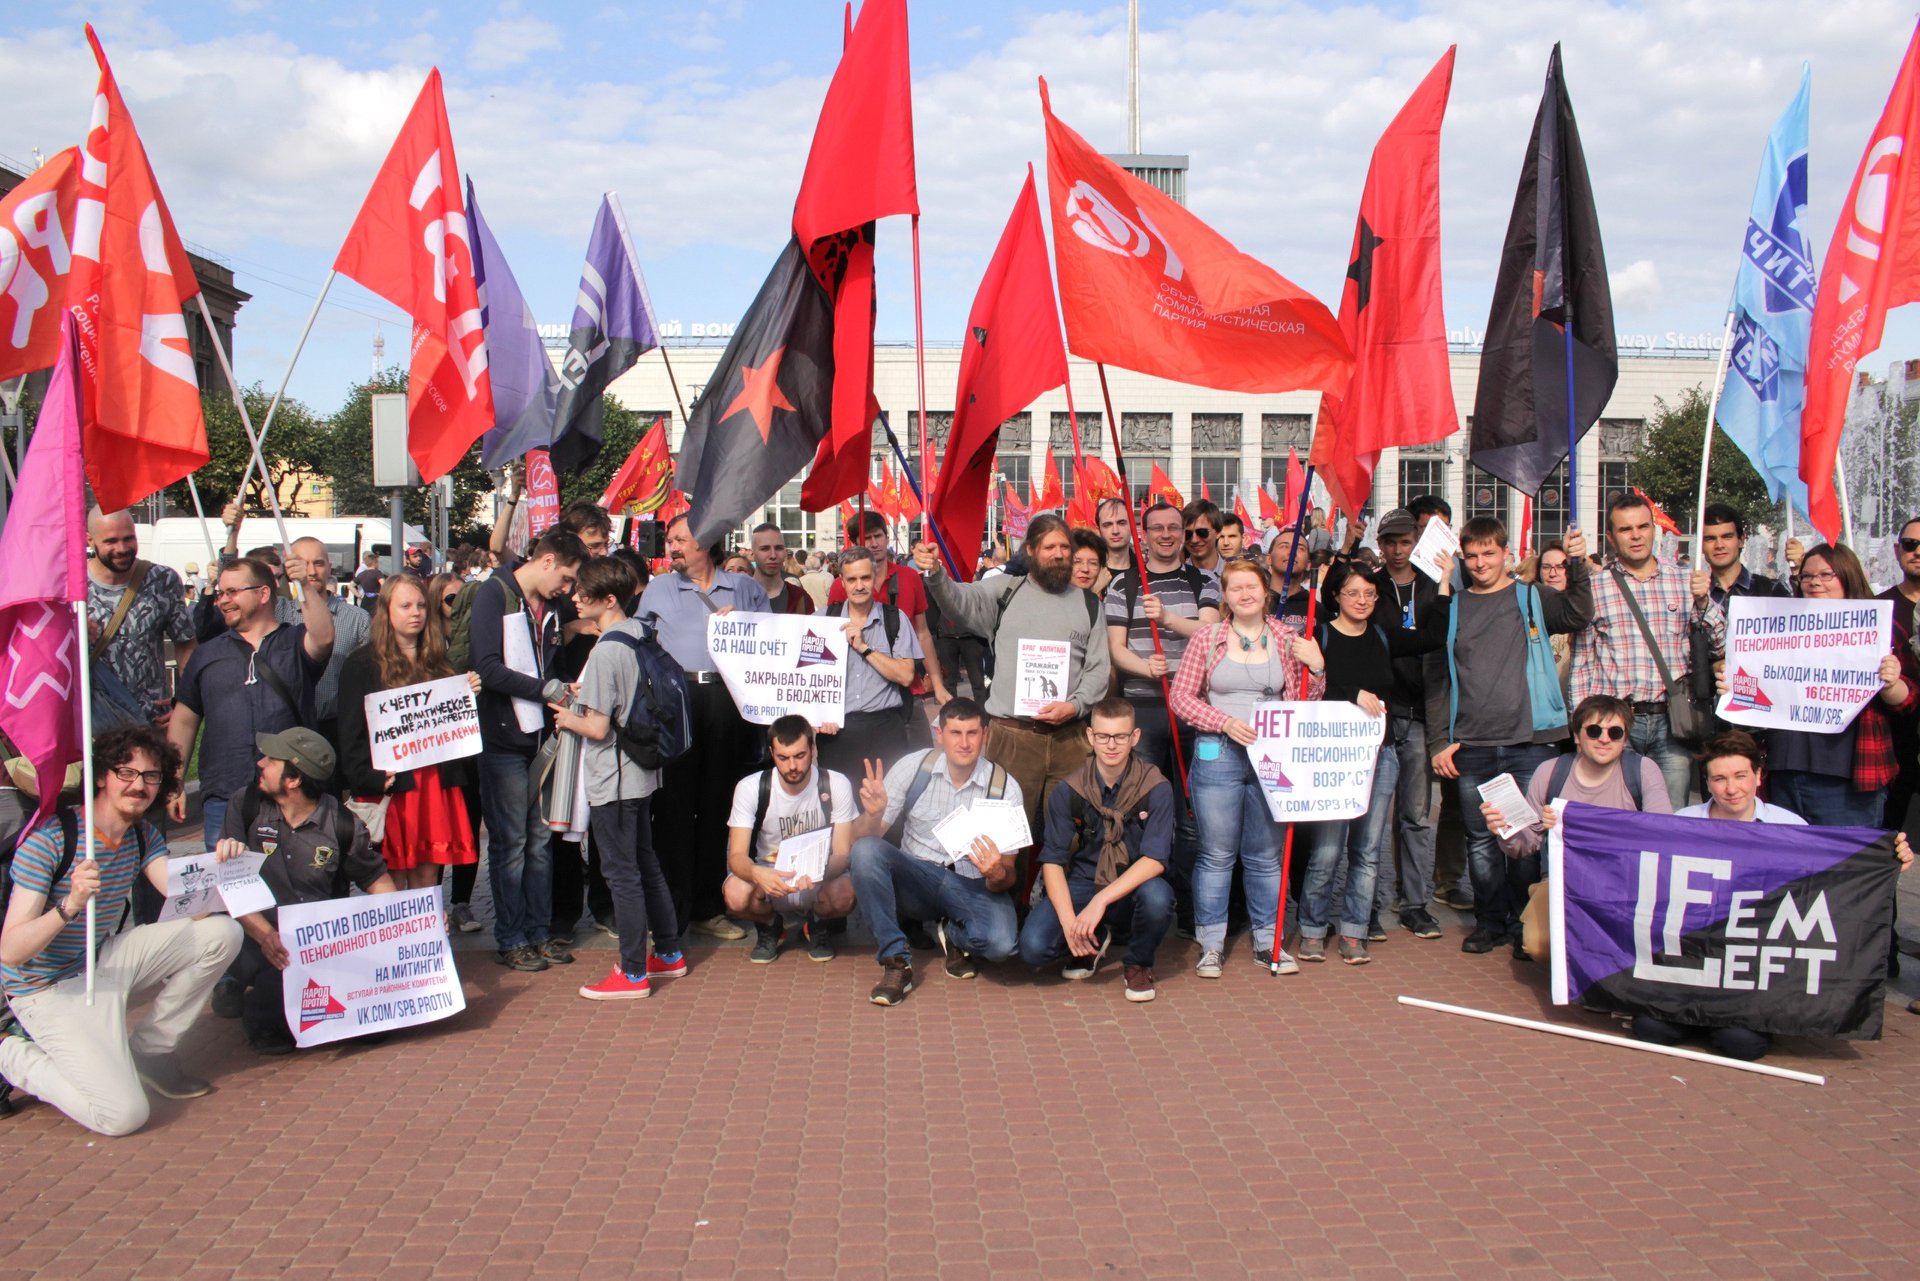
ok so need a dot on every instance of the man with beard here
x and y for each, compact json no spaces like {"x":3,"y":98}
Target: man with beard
{"x":133,"y":608}
{"x":1038,"y":704}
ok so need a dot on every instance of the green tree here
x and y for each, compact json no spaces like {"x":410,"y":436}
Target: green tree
{"x":1668,"y":465}
{"x":347,"y":456}
{"x":291,"y":450}
{"x":623,"y":430}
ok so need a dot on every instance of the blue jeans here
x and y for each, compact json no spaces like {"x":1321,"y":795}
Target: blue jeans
{"x":1651,"y":738}
{"x":1499,"y":883}
{"x":888,"y":883}
{"x":1356,"y":842}
{"x":519,"y":858}
{"x":1409,"y":878}
{"x":1142,"y":918}
{"x":1231,"y":810}
{"x":1823,"y":800}
{"x":213,"y":817}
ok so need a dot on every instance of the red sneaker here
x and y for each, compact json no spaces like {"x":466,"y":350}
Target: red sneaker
{"x":617,"y":987}
{"x":666,"y":967}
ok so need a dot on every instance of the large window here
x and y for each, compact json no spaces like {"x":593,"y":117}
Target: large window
{"x":1487,"y":496}
{"x":1550,"y":509}
{"x":783,"y":509}
{"x":1615,"y":478}
{"x":1222,"y":476}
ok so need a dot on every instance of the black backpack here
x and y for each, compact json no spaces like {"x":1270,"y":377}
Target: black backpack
{"x":766,"y":799}
{"x":930,"y":761}
{"x":1629,"y":762}
{"x":657,"y":726}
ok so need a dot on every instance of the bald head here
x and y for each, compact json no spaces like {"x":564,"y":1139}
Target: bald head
{"x":111,"y":535}
{"x":313,"y":554}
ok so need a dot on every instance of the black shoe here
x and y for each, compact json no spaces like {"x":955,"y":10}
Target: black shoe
{"x":1483,"y":940}
{"x":270,"y":1041}
{"x":1419,"y":921}
{"x":766,"y":942}
{"x":524,"y":958}
{"x":226,"y":997}
{"x":558,"y":951}
{"x":1520,"y":952}
{"x":819,"y":942}
{"x":164,"y":1075}
{"x":1375,"y":934}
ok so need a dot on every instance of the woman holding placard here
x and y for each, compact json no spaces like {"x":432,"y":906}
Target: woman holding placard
{"x":1246,"y":658}
{"x":1359,"y":657}
{"x":1840,"y":780}
{"x":420,"y":816}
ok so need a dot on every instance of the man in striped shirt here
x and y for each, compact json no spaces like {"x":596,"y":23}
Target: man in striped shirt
{"x":78,"y":1055}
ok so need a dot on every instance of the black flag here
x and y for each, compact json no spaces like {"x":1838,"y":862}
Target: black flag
{"x":1552,"y":318}
{"x":767,"y":405}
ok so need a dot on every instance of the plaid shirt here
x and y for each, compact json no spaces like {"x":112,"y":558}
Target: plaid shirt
{"x":1611,"y":656}
{"x":1875,"y":762}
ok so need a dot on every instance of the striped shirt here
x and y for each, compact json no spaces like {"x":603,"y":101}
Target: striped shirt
{"x":33,"y":863}
{"x":1611,"y":656}
{"x":938,"y":799}
{"x":1176,"y":590}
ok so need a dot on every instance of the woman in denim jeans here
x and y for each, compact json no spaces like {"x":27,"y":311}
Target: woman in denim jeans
{"x":1359,"y":663}
{"x":1248,"y":657}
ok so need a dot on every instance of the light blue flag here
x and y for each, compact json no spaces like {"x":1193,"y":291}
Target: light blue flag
{"x":525,"y":389}
{"x":1773,"y":296}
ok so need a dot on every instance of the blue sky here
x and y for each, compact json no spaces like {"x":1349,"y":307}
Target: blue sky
{"x":265,"y":123}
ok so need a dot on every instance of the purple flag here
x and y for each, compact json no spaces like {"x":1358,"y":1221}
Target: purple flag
{"x":1782,"y":929}
{"x":612,"y":327}
{"x":524,"y":386}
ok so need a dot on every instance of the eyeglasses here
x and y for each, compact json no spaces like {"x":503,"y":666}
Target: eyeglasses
{"x":1553,"y":567}
{"x":1613,"y":733}
{"x":1111,"y":740}
{"x":1824,"y":576}
{"x":1200,"y":531}
{"x":1359,"y":596}
{"x":1910,"y":545}
{"x":128,"y":774}
{"x":1156,"y":530}
{"x":222,"y":593}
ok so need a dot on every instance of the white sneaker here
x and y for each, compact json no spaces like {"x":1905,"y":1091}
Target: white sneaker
{"x":1211,"y":966}
{"x":1082,"y":967}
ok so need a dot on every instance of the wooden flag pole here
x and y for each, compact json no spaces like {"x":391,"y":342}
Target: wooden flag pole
{"x":1706,"y":446}
{"x":1286,"y":589}
{"x":273,"y":407}
{"x":246,"y":425}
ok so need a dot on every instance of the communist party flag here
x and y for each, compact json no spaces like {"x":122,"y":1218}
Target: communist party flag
{"x":1269,"y":510}
{"x":1100,"y":480}
{"x":1872,"y":265}
{"x":410,"y":245}
{"x":1147,"y":286}
{"x":36,"y":252}
{"x":1046,"y":492}
{"x":141,"y":427}
{"x":1161,"y":487}
{"x":642,"y":483}
{"x":859,"y":169}
{"x":1660,"y":516}
{"x":1402,"y":390}
{"x":1240,"y":510}
{"x":1012,"y":353}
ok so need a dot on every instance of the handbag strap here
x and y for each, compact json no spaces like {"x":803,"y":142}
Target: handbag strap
{"x":272,"y":678}
{"x":112,"y":629}
{"x":1633,"y":605}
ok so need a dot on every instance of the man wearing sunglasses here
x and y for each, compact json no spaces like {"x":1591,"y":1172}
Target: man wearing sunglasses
{"x":1201,"y":522}
{"x":1601,"y":770}
{"x":257,"y":677}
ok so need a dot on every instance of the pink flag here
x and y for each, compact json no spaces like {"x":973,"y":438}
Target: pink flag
{"x":44,"y":549}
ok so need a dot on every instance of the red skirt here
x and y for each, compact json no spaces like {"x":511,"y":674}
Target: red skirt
{"x":428,"y":826}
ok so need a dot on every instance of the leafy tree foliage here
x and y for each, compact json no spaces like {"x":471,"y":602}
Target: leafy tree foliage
{"x":1667,"y":466}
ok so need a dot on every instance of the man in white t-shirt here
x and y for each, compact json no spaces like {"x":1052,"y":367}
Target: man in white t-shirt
{"x":800,"y":805}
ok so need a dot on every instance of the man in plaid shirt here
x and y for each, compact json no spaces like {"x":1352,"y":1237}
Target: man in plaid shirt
{"x":1611,"y":656}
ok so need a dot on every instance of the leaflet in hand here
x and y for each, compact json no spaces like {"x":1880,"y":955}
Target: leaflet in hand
{"x":1003,"y":822}
{"x":1505,"y":795}
{"x":1436,"y":539}
{"x":516,"y":651}
{"x":805,"y":855}
{"x":200,"y":883}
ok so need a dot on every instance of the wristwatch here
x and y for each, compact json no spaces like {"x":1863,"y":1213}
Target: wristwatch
{"x":69,"y":918}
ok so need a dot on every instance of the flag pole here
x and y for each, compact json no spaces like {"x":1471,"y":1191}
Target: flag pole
{"x":926,"y":512}
{"x":82,"y":637}
{"x":920,"y":370}
{"x":246,"y":425}
{"x":273,"y":407}
{"x":1286,"y":589}
{"x":1706,"y":446}
{"x":1573,"y":433}
{"x":1846,"y":508}
{"x":675,"y":384}
{"x":1140,"y":567}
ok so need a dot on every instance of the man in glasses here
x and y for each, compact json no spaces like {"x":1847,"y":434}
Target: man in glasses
{"x":256,"y":677}
{"x":1601,"y":770}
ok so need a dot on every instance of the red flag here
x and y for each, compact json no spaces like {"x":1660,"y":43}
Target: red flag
{"x":1269,"y":510}
{"x":1160,"y":486}
{"x":1051,"y":495}
{"x":1080,"y":511}
{"x":36,"y":237}
{"x":1296,"y":485}
{"x":1011,"y":353}
{"x":1102,"y":481}
{"x":543,"y":494}
{"x":1872,"y":265}
{"x":846,"y":514}
{"x":1660,"y":516}
{"x":1147,"y":286}
{"x":141,"y":427}
{"x":675,"y":507}
{"x":859,"y":169}
{"x":1402,"y":389}
{"x":1240,"y":510}
{"x":642,"y":483}
{"x":1018,"y":514}
{"x":1206,"y":494}
{"x":1525,"y":542}
{"x":410,"y":246}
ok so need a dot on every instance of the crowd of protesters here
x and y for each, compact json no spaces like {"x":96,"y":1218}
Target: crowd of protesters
{"x":1145,"y":812}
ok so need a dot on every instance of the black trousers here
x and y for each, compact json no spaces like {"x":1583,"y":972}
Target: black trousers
{"x":880,"y":736}
{"x":690,"y":815}
{"x":575,"y":878}
{"x":263,"y":1010}
{"x":959,"y":655}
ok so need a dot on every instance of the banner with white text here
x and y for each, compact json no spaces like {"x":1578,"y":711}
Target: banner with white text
{"x":423,"y":724}
{"x":367,"y":964}
{"x":780,"y":664}
{"x":1315,"y":760}
{"x":1803,"y":664}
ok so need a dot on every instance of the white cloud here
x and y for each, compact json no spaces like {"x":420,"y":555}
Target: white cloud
{"x":508,"y":42}
{"x":1636,"y":286}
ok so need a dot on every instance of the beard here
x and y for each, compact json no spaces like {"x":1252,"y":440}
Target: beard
{"x":118,"y":562}
{"x":1053,"y":579}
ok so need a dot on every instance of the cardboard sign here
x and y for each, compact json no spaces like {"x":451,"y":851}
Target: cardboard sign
{"x":423,"y":724}
{"x":1315,"y":760}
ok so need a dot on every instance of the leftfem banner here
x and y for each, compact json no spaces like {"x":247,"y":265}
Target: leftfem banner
{"x":423,"y":724}
{"x":776,"y":664}
{"x":369,"y":964}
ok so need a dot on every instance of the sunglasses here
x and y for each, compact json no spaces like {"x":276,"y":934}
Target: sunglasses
{"x":1613,"y":733}
{"x":1199,"y":531}
{"x":1910,"y":545}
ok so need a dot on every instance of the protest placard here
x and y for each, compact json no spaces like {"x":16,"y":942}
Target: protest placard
{"x":1803,"y":664}
{"x":1315,"y":760}
{"x":367,"y":964}
{"x":423,"y":724}
{"x":200,"y":883}
{"x":805,"y":854}
{"x":1712,"y":923}
{"x":781,"y":664}
{"x":1041,"y":677}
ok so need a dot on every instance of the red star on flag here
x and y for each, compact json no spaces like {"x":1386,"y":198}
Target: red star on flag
{"x":760,"y":393}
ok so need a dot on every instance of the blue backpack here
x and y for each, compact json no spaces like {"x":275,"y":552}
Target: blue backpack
{"x":657,"y":726}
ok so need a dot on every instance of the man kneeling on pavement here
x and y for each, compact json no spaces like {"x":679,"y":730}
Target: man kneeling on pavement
{"x":793,"y":799}
{"x":1109,"y":830}
{"x":315,"y":851}
{"x":72,"y":1051}
{"x":901,"y":868}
